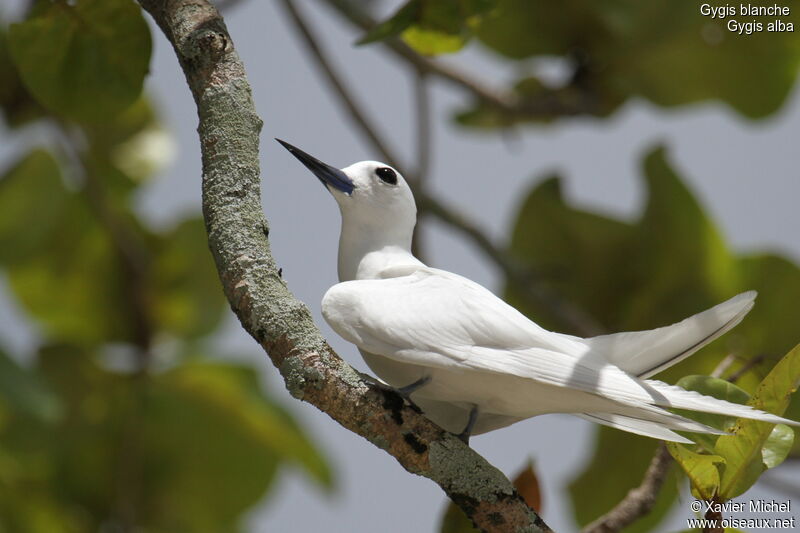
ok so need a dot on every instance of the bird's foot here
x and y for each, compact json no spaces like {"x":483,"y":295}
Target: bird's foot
{"x":406,"y":391}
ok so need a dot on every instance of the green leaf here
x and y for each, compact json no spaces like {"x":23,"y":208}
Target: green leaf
{"x":701,"y":469}
{"x":62,"y":263}
{"x":778,"y":445}
{"x":743,"y":451}
{"x":213,"y":437}
{"x":394,"y":25}
{"x":716,"y":388}
{"x":432,"y":26}
{"x":85,"y":61}
{"x":235,"y":392}
{"x":186,"y":293}
{"x":432,"y":42}
{"x":23,"y":391}
{"x":33,"y":201}
{"x":16,"y":103}
{"x":574,"y":252}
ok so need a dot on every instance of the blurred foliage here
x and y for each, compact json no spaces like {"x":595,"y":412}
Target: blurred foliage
{"x":118,"y":421}
{"x":663,"y":51}
{"x":670,"y":263}
{"x":526,"y":482}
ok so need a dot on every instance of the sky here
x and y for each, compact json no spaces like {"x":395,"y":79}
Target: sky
{"x":745,"y":173}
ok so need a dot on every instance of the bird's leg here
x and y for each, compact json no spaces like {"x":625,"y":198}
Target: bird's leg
{"x":473,"y":416}
{"x":406,"y":391}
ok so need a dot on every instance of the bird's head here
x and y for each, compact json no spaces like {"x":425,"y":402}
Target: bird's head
{"x":367,"y":192}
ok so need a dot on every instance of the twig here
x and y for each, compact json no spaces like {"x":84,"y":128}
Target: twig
{"x":639,"y":501}
{"x":723,"y":366}
{"x":578,"y":320}
{"x":423,"y":151}
{"x":753,"y":361}
{"x":238,"y":237}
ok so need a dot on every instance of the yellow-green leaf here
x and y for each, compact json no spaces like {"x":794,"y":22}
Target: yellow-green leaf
{"x":743,"y":450}
{"x":701,"y":469}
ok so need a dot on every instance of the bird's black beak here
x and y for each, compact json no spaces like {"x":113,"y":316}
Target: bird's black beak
{"x":327,"y":174}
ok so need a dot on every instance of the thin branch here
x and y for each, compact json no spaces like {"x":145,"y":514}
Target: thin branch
{"x":723,"y":366}
{"x":639,"y":501}
{"x":238,"y":237}
{"x":578,"y":320}
{"x":749,"y":364}
{"x":424,"y":147}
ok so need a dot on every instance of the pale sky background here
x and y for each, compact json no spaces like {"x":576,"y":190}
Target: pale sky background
{"x":745,"y":173}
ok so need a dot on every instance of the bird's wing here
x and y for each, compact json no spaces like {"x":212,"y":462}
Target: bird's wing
{"x":645,"y":353}
{"x":433,"y":318}
{"x":437,"y":319}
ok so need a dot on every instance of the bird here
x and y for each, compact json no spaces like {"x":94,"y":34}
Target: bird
{"x":473,"y":363}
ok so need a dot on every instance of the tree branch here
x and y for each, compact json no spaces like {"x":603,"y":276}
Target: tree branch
{"x":238,"y":237}
{"x":639,"y":501}
{"x":424,"y":142}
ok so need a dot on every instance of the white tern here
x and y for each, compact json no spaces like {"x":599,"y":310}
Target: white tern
{"x":473,"y":363}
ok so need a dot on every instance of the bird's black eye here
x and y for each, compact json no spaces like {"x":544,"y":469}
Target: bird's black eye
{"x":387,"y":175}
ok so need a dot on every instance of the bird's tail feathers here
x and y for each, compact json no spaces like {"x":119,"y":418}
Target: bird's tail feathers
{"x":635,"y":425}
{"x":665,"y":395}
{"x":645,"y":353}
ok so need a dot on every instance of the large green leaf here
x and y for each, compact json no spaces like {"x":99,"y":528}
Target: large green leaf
{"x":21,"y":390}
{"x":212,"y":437}
{"x":69,"y":266}
{"x":186,"y":294}
{"x":625,"y":275}
{"x":33,"y":202}
{"x":84,"y":60}
{"x":559,"y":243}
{"x":62,"y":263}
{"x":743,"y":451}
{"x":16,"y":103}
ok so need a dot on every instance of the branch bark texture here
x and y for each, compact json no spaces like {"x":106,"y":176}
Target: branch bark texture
{"x":238,"y":237}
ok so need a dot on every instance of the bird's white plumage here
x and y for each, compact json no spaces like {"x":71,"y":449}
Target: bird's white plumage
{"x":411,"y":322}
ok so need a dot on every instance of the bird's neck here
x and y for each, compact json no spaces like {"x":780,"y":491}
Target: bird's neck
{"x":365,"y":252}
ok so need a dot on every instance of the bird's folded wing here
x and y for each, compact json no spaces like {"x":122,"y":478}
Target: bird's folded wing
{"x":437,"y":319}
